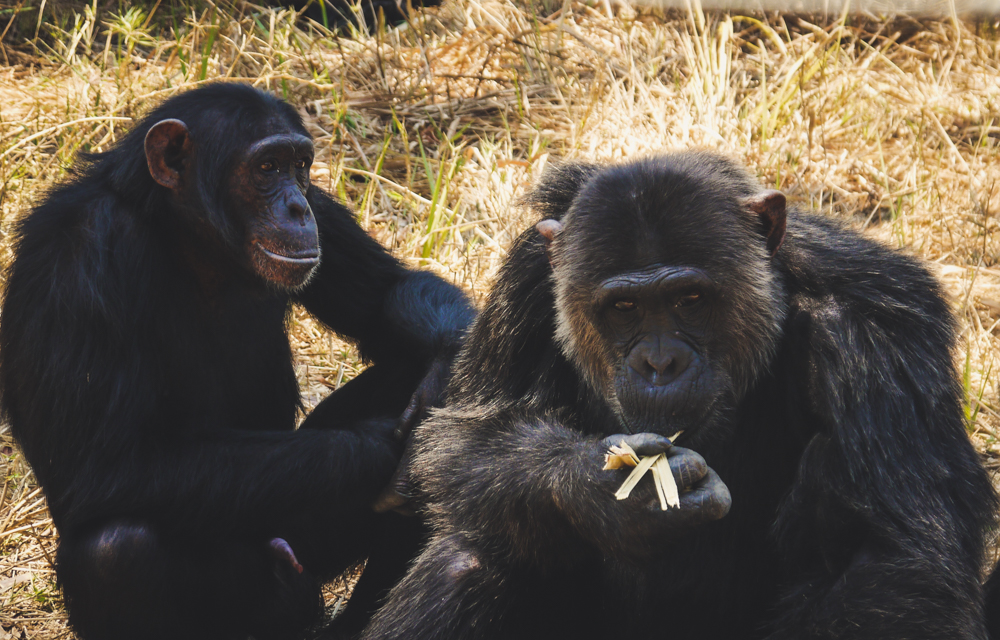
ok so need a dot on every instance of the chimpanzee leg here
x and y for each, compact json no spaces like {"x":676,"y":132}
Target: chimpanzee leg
{"x":398,"y":542}
{"x":452,"y":592}
{"x":449,"y":593}
{"x":125,"y":580}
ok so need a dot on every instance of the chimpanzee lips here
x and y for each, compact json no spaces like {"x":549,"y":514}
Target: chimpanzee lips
{"x":305,"y":259}
{"x":283,"y":266}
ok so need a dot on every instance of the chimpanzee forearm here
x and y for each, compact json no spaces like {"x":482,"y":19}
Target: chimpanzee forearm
{"x":509,"y":484}
{"x":536,"y":490}
{"x":270,"y":477}
{"x":395,"y":314}
{"x":424,"y":317}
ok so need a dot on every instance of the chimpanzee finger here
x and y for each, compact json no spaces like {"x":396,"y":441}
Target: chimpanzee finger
{"x":397,"y":494}
{"x":644,"y":444}
{"x":382,"y":428}
{"x":391,"y":499}
{"x":687,"y":466}
{"x":428,"y":394}
{"x":410,"y":417}
{"x":708,"y":501}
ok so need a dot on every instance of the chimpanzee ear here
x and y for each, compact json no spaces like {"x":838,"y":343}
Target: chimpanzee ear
{"x":770,"y":208}
{"x":168,"y":151}
{"x":549,"y":230}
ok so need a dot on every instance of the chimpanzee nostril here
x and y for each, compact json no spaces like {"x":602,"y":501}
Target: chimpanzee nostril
{"x":659,"y":362}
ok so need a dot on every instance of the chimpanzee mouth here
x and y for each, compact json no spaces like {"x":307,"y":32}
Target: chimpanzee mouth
{"x":645,"y":425}
{"x":683,"y":437}
{"x":684,"y":434}
{"x":310,"y":258}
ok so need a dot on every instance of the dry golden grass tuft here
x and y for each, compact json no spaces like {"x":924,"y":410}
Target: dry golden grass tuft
{"x":432,"y":130}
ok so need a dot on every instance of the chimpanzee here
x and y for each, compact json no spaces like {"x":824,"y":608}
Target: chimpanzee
{"x":147,"y":374}
{"x":809,"y":373}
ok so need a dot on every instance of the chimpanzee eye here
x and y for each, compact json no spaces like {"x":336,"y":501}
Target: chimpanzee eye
{"x":268,"y":165}
{"x":689,"y":299}
{"x":625,"y":305}
{"x":301,"y":164}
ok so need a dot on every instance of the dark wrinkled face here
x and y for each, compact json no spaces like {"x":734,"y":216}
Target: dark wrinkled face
{"x":666,"y":299}
{"x":272,"y":178}
{"x":656,"y":323}
{"x":669,"y":346}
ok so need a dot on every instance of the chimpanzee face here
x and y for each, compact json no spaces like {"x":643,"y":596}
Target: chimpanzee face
{"x":282,"y":241}
{"x":648,"y":340}
{"x":656,"y":324}
{"x":666,"y":299}
{"x":274,"y":229}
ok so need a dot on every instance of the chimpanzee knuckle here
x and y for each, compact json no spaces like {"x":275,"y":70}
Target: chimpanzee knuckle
{"x":725,"y":501}
{"x":719,"y":496}
{"x":639,"y":442}
{"x":693,"y":503}
{"x":688,"y":467}
{"x":716,"y":504}
{"x":648,"y":444}
{"x":613,"y":441}
{"x":705,"y":508}
{"x":708,"y":506}
{"x":680,"y":453}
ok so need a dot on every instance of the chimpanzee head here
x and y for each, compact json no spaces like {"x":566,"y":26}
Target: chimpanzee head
{"x":236,"y":163}
{"x":666,"y":299}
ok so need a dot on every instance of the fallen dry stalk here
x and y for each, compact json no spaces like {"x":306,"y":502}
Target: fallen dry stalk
{"x":622,"y":455}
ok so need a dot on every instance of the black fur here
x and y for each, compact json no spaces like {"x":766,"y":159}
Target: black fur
{"x":858,"y":503}
{"x":992,"y":605}
{"x":152,"y":388}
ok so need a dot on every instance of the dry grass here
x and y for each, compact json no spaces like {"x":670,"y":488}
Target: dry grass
{"x":431,"y":131}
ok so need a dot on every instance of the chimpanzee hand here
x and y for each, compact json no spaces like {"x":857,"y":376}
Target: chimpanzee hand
{"x":644,"y":444}
{"x":399,"y":491}
{"x":703,"y":496}
{"x":429,"y":393}
{"x":380,"y":430}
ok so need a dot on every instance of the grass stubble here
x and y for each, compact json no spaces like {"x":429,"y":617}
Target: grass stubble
{"x":431,"y":131}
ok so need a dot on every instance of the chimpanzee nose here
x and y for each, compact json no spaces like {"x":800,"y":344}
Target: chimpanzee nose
{"x":659,"y":360}
{"x":297,"y":207}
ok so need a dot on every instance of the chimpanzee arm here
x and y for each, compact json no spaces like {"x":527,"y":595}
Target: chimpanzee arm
{"x":85,"y":364}
{"x":103,"y":443}
{"x":531,"y":488}
{"x":889,"y":488}
{"x":395,"y":314}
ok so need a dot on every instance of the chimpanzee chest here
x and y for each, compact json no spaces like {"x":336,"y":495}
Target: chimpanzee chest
{"x":235,"y":371}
